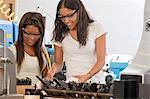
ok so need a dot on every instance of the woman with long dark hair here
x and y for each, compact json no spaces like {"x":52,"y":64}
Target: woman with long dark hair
{"x":79,"y":41}
{"x":31,"y":56}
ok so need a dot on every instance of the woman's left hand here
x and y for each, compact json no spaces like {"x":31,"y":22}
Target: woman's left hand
{"x":82,"y":78}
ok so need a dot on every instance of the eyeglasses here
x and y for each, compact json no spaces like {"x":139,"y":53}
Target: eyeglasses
{"x":67,"y":16}
{"x":36,"y":35}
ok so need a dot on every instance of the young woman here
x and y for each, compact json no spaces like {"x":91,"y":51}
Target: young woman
{"x":31,"y":56}
{"x":79,"y":41}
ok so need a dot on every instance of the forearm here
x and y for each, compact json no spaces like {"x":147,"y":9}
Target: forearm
{"x":56,"y":67}
{"x":95,"y":69}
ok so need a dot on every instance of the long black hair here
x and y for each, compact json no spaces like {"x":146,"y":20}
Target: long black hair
{"x":30,"y":18}
{"x":61,"y":29}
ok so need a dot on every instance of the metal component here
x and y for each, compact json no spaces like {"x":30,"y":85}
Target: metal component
{"x":7,"y":68}
{"x":58,"y":88}
{"x":147,"y":77}
{"x":145,"y":88}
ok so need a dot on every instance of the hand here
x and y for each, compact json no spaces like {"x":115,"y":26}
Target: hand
{"x":82,"y":78}
{"x":49,"y":75}
{"x":39,"y":85}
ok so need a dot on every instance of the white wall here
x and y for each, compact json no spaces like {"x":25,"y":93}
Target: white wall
{"x":122,"y":19}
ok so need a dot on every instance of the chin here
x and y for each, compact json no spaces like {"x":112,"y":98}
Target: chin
{"x":31,"y":44}
{"x":71,"y":28}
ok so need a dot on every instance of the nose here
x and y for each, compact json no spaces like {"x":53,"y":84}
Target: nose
{"x":32,"y":37}
{"x":66,"y":20}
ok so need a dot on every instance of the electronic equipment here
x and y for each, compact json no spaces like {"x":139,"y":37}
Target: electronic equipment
{"x":7,"y":68}
{"x":7,"y":27}
{"x":59,"y":88}
{"x":24,"y":81}
{"x":139,"y":69}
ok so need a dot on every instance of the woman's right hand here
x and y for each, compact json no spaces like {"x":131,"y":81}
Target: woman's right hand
{"x":49,"y":75}
{"x":51,"y":72}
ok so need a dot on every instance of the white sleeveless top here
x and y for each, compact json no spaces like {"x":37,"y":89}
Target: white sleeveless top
{"x":29,"y":67}
{"x":79,"y":60}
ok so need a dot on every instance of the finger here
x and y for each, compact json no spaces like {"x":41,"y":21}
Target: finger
{"x":48,"y":77}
